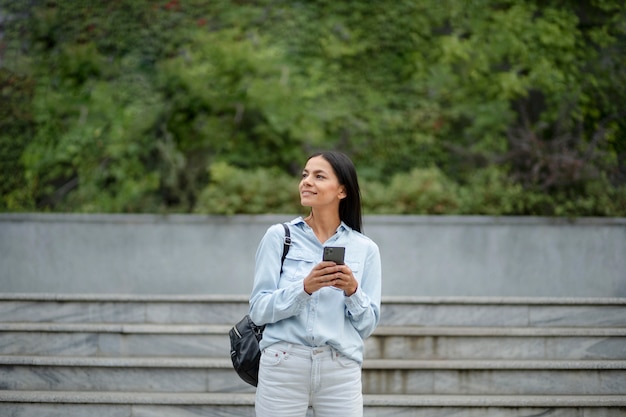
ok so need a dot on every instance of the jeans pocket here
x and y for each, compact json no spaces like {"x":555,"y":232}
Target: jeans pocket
{"x":346,"y":362}
{"x":272,"y":357}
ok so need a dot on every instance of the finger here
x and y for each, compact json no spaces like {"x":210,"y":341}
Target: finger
{"x":329,"y":271}
{"x":345,"y":269}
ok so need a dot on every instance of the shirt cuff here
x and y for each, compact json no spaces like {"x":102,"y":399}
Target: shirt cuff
{"x":357,"y":303}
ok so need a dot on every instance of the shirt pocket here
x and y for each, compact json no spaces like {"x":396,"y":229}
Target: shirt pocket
{"x":355,"y":267}
{"x":297,"y":265}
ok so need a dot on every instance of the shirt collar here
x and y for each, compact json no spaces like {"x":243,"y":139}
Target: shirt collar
{"x":300,"y":221}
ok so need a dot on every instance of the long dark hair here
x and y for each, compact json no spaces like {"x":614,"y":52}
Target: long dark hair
{"x":350,"y":206}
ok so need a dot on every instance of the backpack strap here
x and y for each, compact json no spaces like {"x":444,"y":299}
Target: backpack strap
{"x":286,"y":244}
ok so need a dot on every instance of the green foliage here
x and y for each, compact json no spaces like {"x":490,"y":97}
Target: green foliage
{"x":421,"y":191}
{"x":16,"y":125}
{"x":89,"y":151}
{"x":446,"y":107}
{"x":228,"y":98}
{"x":262,"y":190}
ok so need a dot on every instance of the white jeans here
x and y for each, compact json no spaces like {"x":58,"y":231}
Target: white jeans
{"x":294,"y":377}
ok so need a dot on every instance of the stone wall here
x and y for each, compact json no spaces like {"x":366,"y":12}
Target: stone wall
{"x":422,"y":255}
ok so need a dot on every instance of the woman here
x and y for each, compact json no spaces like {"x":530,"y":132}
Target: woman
{"x":317,"y":313}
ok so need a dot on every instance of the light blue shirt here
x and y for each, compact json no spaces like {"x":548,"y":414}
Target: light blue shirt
{"x":326,"y":317}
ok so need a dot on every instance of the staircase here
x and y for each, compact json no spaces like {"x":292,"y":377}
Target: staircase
{"x":148,"y":356}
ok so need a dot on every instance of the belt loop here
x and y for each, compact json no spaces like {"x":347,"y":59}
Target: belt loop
{"x":288,"y":350}
{"x":334,"y":353}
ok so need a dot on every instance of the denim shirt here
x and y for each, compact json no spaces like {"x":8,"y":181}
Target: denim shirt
{"x":326,"y":317}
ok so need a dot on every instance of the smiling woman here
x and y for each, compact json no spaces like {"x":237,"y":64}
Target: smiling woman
{"x":316,"y":313}
{"x":320,"y":189}
{"x":336,"y":166}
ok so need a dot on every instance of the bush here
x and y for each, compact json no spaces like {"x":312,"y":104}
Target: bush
{"x":233,"y":190}
{"x":421,"y":191}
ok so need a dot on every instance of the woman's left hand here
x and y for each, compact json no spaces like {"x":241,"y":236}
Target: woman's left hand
{"x":344,"y":280}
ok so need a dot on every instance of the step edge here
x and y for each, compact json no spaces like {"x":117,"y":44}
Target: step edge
{"x":117,"y":362}
{"x":125,"y":298}
{"x":123,"y":328}
{"x":368,"y":364}
{"x":496,"y":364}
{"x":244,"y":399}
{"x":244,"y":298}
{"x":495,"y":400}
{"x":410,"y":330}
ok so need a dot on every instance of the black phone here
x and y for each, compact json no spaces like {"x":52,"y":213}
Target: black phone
{"x":334,"y":253}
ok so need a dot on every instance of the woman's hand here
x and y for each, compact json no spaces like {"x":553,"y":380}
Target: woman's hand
{"x":330,"y":274}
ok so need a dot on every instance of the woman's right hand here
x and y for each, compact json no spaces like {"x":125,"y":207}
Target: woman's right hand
{"x":324,"y":274}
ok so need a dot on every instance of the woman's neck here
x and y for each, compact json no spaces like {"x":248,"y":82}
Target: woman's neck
{"x":324,"y":226}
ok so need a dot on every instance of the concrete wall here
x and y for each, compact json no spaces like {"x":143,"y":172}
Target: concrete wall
{"x":422,"y":255}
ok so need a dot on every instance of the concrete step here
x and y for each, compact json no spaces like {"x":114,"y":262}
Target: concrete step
{"x":388,"y":342}
{"x":396,"y":311}
{"x":139,"y":404}
{"x":121,"y":308}
{"x":464,"y":377}
{"x":122,"y":355}
{"x":114,"y":339}
{"x":156,"y":374}
{"x":505,"y":311}
{"x":411,"y":342}
{"x":501,"y":377}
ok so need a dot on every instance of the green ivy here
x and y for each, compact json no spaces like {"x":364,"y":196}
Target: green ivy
{"x":447,"y":107}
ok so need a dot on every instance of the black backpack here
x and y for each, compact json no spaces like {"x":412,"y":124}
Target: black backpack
{"x":245,"y":337}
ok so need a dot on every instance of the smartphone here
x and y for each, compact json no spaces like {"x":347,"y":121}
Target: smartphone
{"x":334,"y":253}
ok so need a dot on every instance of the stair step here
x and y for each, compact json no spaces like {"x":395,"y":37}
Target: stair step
{"x":111,"y":355}
{"x":382,"y":364}
{"x":81,"y":397}
{"x":113,"y":339}
{"x":122,"y":308}
{"x":507,"y":331}
{"x":124,"y":328}
{"x":505,"y":311}
{"x":410,"y":342}
{"x":379,"y":364}
{"x":146,"y":328}
{"x":396,"y":311}
{"x":117,"y":362}
{"x":496,"y":400}
{"x":525,"y":343}
{"x":134,"y":404}
{"x":155,"y":374}
{"x":379,"y":376}
{"x":504,"y":377}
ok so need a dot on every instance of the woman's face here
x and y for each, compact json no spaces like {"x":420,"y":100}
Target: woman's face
{"x":319,"y":186}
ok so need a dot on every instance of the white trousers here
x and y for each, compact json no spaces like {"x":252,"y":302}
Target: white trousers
{"x":294,"y":377}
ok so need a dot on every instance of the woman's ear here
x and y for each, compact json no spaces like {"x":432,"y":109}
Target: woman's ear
{"x":342,"y":193}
